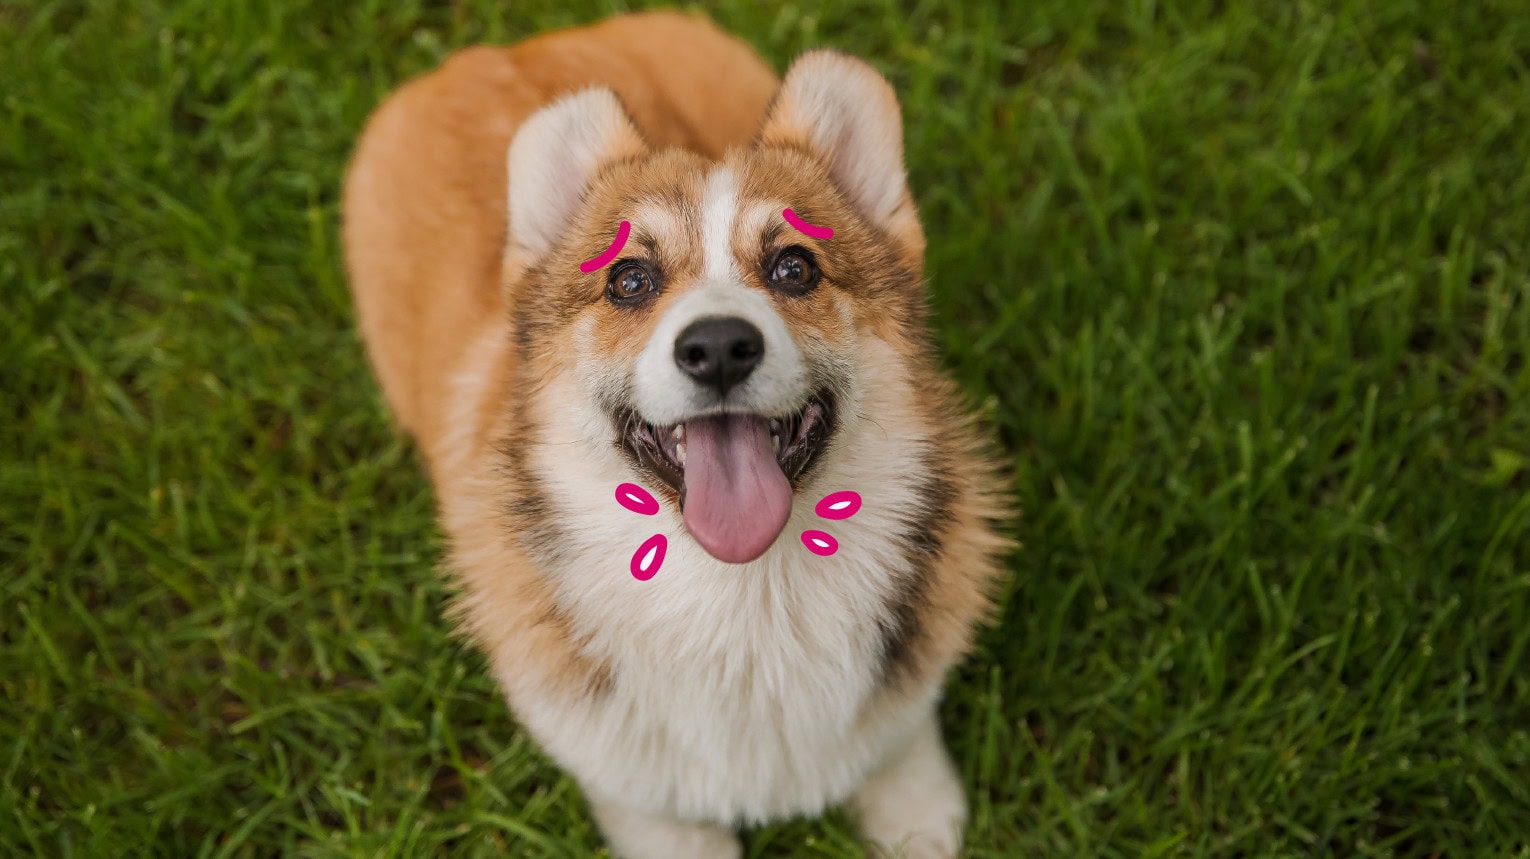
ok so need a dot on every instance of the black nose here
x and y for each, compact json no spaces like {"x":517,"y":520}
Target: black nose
{"x":719,"y":351}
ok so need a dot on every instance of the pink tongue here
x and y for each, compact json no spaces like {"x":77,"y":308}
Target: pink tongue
{"x":736,"y":497}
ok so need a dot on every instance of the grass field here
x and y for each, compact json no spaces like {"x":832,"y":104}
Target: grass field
{"x":1246,"y":294}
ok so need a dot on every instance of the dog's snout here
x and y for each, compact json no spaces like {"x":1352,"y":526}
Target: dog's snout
{"x":719,"y":351}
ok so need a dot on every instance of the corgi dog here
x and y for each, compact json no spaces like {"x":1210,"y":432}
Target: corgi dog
{"x":628,"y":255}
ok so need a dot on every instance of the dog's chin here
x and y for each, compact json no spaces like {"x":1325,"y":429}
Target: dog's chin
{"x":799,"y":439}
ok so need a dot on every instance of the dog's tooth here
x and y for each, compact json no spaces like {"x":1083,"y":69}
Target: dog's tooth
{"x":775,"y":443}
{"x":680,"y":452}
{"x":678,"y":432}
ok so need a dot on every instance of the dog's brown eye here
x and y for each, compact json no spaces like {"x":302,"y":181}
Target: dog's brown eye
{"x":629,"y":284}
{"x":794,"y":270}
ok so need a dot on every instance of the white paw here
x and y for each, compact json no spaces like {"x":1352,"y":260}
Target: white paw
{"x":635,"y":835}
{"x":914,"y":808}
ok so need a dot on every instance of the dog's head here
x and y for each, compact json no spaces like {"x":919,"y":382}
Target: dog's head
{"x":723,"y":351}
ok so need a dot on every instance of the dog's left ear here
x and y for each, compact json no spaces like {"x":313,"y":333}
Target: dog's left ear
{"x":841,"y":108}
{"x":553,"y":158}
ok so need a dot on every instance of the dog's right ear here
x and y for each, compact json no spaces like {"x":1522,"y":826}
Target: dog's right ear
{"x":552,"y":159}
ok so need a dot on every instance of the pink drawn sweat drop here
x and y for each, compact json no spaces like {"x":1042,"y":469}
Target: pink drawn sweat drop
{"x":649,"y":557}
{"x":637,"y":499}
{"x":820,"y":543}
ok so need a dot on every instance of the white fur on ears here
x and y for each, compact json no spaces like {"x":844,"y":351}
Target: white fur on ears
{"x":552,"y":158}
{"x":850,"y":114}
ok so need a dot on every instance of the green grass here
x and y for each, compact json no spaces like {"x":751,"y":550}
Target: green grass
{"x":1246,"y":295}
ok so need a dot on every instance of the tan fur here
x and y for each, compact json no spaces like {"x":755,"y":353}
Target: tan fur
{"x":445,"y":307}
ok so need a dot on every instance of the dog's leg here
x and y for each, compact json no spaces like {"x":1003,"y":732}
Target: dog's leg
{"x":636,"y":835}
{"x":914,"y":807}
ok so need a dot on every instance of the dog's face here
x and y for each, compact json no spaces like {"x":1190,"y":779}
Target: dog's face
{"x":722,"y":348}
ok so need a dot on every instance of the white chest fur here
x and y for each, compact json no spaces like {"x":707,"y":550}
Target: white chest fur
{"x":740,"y":691}
{"x":739,"y":694}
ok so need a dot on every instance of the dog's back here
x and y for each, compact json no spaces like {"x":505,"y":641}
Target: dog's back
{"x":424,"y":204}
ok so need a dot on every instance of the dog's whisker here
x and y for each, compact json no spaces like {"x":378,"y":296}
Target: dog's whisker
{"x":871,"y":420}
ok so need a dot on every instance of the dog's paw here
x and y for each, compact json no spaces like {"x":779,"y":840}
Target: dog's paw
{"x":635,"y":835}
{"x":914,"y":808}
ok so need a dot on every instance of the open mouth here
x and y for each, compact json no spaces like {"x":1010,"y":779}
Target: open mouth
{"x":733,"y":473}
{"x":796,"y":441}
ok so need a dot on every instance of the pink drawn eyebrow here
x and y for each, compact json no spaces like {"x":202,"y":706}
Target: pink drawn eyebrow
{"x":610,"y":254}
{"x":806,"y":228}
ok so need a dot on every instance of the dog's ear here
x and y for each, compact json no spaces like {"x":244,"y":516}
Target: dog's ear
{"x":552,"y":159}
{"x":841,"y":108}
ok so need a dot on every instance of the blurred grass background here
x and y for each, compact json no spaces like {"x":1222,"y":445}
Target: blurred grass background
{"x":1244,"y":287}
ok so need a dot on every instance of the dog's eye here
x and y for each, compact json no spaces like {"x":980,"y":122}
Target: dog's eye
{"x":629,"y":284}
{"x":794,"y":271}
